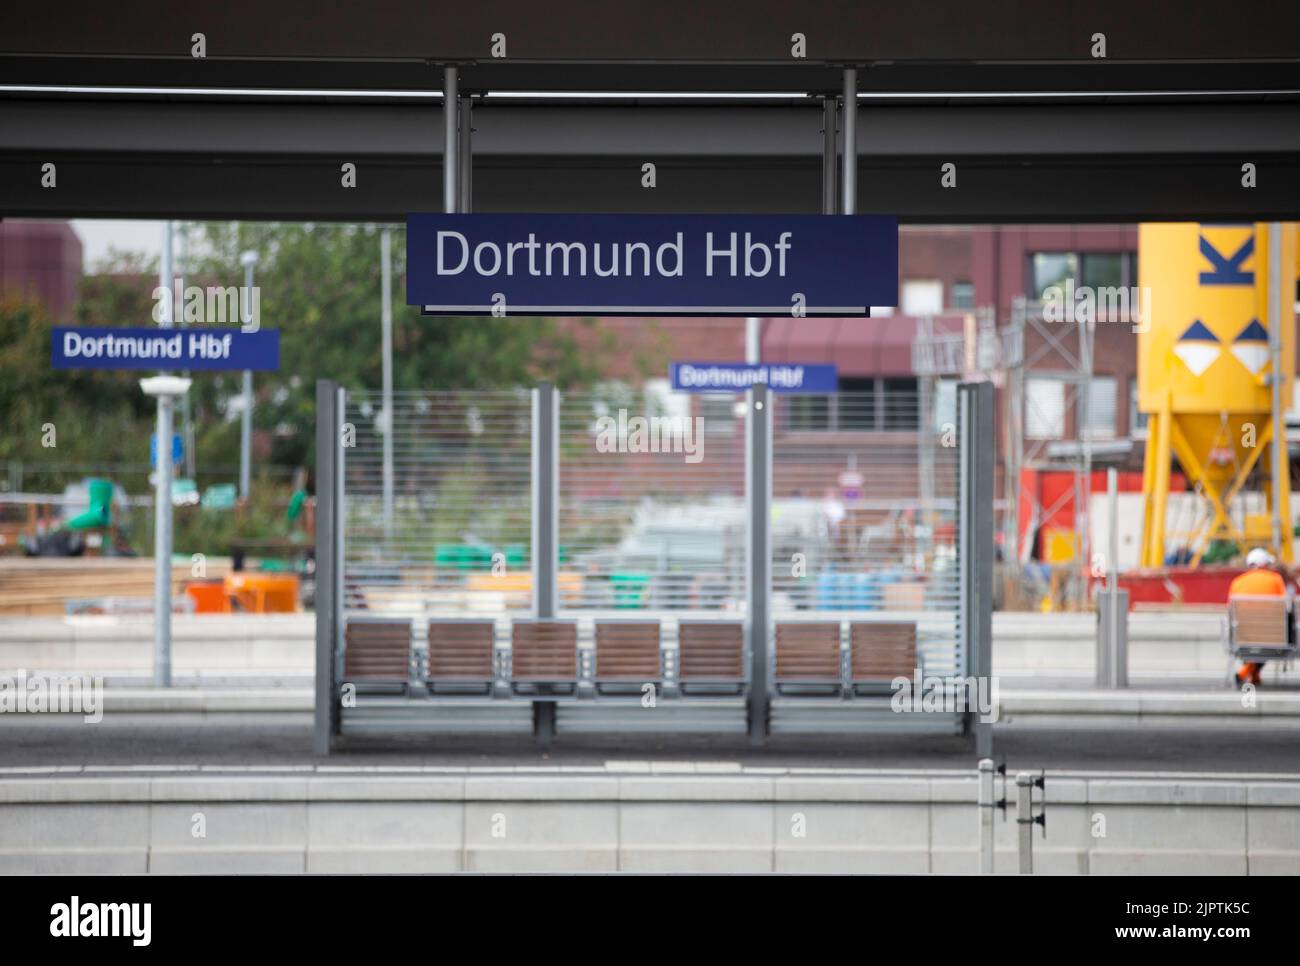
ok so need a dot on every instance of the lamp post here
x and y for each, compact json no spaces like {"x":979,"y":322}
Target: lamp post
{"x":165,"y":389}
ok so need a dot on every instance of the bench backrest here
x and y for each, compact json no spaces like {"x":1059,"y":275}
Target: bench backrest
{"x":377,"y":649}
{"x":1259,"y":620}
{"x":544,"y":651}
{"x":711,"y":651}
{"x":627,"y":651}
{"x":881,"y":651}
{"x":460,"y":650}
{"x":808,"y":651}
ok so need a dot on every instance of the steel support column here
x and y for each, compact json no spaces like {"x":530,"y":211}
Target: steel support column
{"x":758,"y":551}
{"x":830,"y":135}
{"x":329,"y":578}
{"x":975,"y":401}
{"x":466,"y":168}
{"x":986,"y":807}
{"x":850,"y":201}
{"x":1025,"y":821}
{"x":386,"y":340}
{"x":545,"y":499}
{"x":450,"y":132}
{"x":545,"y":527}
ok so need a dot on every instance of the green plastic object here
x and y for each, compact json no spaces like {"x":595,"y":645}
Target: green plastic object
{"x":295,"y":504}
{"x":100,"y":512}
{"x":462,"y":556}
{"x":219,"y":496}
{"x":629,"y":590}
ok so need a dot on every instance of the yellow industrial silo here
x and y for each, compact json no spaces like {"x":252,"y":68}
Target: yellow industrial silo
{"x":1205,"y":377}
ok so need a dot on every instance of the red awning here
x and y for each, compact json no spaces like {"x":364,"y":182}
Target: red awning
{"x":860,"y":347}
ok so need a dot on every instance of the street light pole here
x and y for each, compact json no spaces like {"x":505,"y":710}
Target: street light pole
{"x":249,"y":260}
{"x":187,"y":413}
{"x":162,"y":529}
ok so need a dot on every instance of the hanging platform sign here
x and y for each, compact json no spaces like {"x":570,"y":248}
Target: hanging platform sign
{"x":730,"y":265}
{"x":812,"y":378}
{"x":164,"y":349}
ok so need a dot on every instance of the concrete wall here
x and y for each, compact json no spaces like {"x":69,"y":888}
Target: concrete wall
{"x":639,"y":817}
{"x":204,"y":647}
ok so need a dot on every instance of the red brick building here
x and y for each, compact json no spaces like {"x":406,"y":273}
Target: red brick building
{"x":41,"y":259}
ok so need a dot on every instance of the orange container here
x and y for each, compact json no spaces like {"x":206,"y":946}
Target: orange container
{"x":209,"y":598}
{"x":263,"y":593}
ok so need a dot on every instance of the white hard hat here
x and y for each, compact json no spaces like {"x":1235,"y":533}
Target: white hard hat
{"x":1259,"y":557}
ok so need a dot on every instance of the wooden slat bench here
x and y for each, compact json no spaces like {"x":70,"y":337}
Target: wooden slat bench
{"x":377,"y":650}
{"x":627,"y":655}
{"x":711,"y":656}
{"x":880,"y":652}
{"x":1260,"y":626}
{"x":808,"y":656}
{"x":460,"y":655}
{"x":544,"y":655}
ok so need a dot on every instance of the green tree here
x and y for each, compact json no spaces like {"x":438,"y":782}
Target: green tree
{"x":320,"y":287}
{"x":96,"y":414}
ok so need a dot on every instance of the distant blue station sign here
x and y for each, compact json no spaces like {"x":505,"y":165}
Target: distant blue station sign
{"x":728,"y":265}
{"x":737,"y":377}
{"x":164,"y":349}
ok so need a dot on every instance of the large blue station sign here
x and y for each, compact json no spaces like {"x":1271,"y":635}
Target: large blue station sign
{"x":165,"y":349}
{"x":799,"y":265}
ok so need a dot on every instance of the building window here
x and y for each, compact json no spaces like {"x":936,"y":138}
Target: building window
{"x":922,"y":296}
{"x":804,"y":414}
{"x":864,"y":404}
{"x":1099,"y":422}
{"x":900,"y":404}
{"x":857,"y":404}
{"x":1096,"y":270}
{"x":1137,"y":420}
{"x":1044,"y":408}
{"x":1103,"y":269}
{"x":963,"y":295}
{"x":1051,"y":268}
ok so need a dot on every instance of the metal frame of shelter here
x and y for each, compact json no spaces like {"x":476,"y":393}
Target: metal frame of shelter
{"x":957,"y":621}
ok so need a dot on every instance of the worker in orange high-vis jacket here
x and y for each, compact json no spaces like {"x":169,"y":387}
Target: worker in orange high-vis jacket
{"x":1260,"y":580}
